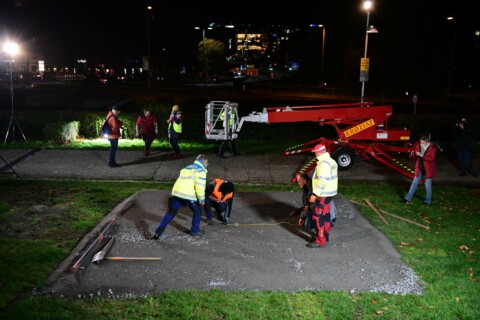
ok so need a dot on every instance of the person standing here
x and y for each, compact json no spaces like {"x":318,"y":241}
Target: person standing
{"x":174,"y":130}
{"x":219,"y":195}
{"x":114,"y":135}
{"x":147,"y":127}
{"x":425,"y":154}
{"x":324,"y":188}
{"x":463,"y":133}
{"x":228,"y":123}
{"x":188,"y":190}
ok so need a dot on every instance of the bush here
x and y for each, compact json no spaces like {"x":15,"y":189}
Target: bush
{"x":61,"y":132}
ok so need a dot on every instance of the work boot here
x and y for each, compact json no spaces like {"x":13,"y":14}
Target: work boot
{"x":158,"y":233}
{"x":199,"y":233}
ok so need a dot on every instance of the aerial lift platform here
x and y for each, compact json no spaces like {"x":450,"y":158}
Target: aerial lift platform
{"x":361,"y":129}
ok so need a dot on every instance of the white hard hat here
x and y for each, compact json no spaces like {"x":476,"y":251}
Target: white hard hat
{"x":319,"y":148}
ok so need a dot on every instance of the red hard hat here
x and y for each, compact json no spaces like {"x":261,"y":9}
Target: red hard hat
{"x":319,"y":148}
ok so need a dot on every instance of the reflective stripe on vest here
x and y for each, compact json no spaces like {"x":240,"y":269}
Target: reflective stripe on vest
{"x":191,"y":182}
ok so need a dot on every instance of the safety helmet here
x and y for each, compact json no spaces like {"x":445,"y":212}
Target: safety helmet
{"x":319,"y":148}
{"x":175,"y":108}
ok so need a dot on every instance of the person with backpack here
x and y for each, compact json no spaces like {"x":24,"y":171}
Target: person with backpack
{"x":114,"y":135}
{"x":147,"y":127}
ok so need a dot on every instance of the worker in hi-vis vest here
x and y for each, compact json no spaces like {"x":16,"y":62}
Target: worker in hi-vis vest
{"x":324,"y":188}
{"x":188,"y":190}
{"x":174,"y":130}
{"x":219,"y":195}
{"x":230,"y":118}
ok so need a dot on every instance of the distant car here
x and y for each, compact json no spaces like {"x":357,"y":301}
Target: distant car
{"x":214,"y":79}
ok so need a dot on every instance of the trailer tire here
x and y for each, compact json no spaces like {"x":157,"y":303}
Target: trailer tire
{"x":345,"y":157}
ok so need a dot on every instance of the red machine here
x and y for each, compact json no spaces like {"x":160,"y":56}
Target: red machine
{"x":361,"y":128}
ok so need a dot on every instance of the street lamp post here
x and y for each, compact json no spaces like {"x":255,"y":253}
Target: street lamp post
{"x":323,"y":47}
{"x":204,"y":54}
{"x":206,"y":58}
{"x":11,"y":49}
{"x":365,"y":63}
{"x":452,"y":51}
{"x":149,"y":64}
{"x":323,"y":50}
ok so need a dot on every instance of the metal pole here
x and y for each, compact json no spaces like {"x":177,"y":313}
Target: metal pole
{"x":323,"y":51}
{"x":365,"y":55}
{"x":206,"y":58}
{"x":149,"y":82}
{"x":13,"y":120}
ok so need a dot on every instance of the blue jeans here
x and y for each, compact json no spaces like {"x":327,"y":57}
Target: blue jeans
{"x":174,"y":203}
{"x":414,"y":185}
{"x":173,"y":139}
{"x":113,"y":151}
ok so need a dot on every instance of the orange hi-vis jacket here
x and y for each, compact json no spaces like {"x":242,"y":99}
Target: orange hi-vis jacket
{"x":217,"y":194}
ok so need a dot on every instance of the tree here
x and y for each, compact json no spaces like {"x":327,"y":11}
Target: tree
{"x":211,"y":54}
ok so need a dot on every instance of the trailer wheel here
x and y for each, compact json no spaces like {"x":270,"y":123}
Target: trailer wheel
{"x":345,"y":158}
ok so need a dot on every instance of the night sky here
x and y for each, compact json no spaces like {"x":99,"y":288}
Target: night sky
{"x":412,"y":33}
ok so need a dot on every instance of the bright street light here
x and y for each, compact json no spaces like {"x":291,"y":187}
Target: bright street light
{"x":12,"y":49}
{"x":365,"y":62}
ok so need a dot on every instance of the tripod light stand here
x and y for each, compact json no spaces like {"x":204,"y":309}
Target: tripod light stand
{"x":11,"y":49}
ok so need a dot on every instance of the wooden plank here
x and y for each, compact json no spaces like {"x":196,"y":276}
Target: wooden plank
{"x":376,"y":211}
{"x":396,"y":216}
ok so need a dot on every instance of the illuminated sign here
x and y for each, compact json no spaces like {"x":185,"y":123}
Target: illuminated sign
{"x":358,"y":128}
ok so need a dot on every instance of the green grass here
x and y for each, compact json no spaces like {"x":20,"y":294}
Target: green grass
{"x":444,"y":257}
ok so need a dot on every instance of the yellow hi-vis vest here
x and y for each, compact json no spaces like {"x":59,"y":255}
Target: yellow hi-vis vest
{"x":177,"y":127}
{"x":231,"y":117}
{"x":325,"y":178}
{"x":191,"y":182}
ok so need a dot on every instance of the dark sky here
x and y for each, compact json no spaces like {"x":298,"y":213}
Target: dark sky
{"x":410,"y":30}
{"x":100,"y":27}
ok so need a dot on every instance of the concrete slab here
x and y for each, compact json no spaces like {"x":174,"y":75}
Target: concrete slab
{"x":262,"y":249}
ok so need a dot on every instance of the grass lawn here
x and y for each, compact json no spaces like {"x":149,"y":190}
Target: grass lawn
{"x":41,"y":221}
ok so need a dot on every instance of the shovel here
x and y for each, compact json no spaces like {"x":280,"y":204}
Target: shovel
{"x":100,"y":255}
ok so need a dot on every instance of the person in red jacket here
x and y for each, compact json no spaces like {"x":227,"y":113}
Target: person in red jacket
{"x":114,"y":135}
{"x":147,"y":127}
{"x":425,"y":154}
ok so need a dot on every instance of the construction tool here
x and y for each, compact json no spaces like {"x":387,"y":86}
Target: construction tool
{"x":296,"y":211}
{"x":101,"y":255}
